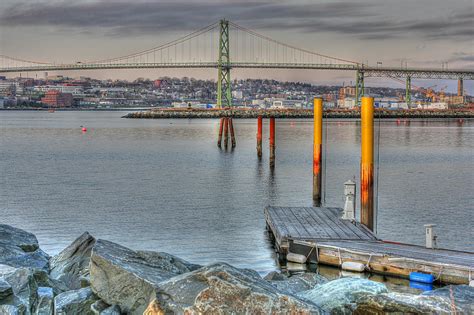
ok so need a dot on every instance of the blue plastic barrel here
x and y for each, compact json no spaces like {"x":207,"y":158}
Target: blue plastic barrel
{"x":421,"y":286}
{"x":421,"y":277}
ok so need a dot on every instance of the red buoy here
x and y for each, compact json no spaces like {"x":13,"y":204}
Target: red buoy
{"x":84,"y":129}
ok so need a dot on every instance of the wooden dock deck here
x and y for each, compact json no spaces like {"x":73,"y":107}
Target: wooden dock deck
{"x":323,"y":237}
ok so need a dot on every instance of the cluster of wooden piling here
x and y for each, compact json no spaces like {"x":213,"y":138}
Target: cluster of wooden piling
{"x":226,"y":128}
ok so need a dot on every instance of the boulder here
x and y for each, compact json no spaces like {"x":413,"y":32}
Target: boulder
{"x":75,"y":302}
{"x":25,"y":241}
{"x":341,"y":295}
{"x":98,"y":307}
{"x":71,"y":265}
{"x":220,"y":289}
{"x":128,"y":278}
{"x":12,"y":309}
{"x":402,"y":303}
{"x":295,"y":283}
{"x":5,"y":289}
{"x":43,"y":280}
{"x":111,"y":310}
{"x":462,"y":296}
{"x":24,"y":289}
{"x":45,"y":301}
{"x":19,"y":248}
{"x":447,"y":300}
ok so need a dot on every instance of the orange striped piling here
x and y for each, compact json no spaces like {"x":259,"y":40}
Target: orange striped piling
{"x":272,"y":141}
{"x":317,"y":150}
{"x":232,"y":136}
{"x":259,"y":137}
{"x":367,"y":163}
{"x":221,"y":127}
{"x":226,"y":132}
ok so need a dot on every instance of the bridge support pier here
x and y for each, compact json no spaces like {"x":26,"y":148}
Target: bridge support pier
{"x":460,"y":87}
{"x":231,"y":129}
{"x":226,"y":132}
{"x":408,"y":91}
{"x":272,"y":142}
{"x":221,"y":127}
{"x":259,"y":137}
{"x":359,"y":88}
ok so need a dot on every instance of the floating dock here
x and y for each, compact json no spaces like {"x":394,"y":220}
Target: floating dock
{"x":323,"y":237}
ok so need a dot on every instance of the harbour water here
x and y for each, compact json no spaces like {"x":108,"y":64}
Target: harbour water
{"x":164,"y":185}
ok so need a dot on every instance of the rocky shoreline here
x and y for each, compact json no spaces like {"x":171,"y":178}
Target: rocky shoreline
{"x":295,"y":113}
{"x":93,"y":276}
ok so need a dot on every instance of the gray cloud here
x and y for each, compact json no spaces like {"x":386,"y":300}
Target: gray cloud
{"x":365,"y":20}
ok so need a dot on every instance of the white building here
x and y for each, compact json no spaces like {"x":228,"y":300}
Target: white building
{"x":72,"y":89}
{"x":439,"y":105}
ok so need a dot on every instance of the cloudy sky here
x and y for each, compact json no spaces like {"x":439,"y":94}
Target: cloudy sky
{"x":423,"y":33}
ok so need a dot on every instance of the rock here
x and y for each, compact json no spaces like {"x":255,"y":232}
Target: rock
{"x":12,"y":310}
{"x":341,"y":294}
{"x":71,"y":265}
{"x":5,"y":289}
{"x":402,"y":303}
{"x":111,"y":310}
{"x":45,"y":301}
{"x":127,"y":278}
{"x":220,"y":289}
{"x":275,"y":276}
{"x":4,"y":269}
{"x":19,"y":248}
{"x":450,"y":299}
{"x":102,"y":308}
{"x":75,"y":302}
{"x":98,"y":307}
{"x":463,"y":296}
{"x":25,"y":241}
{"x":43,"y":280}
{"x":24,"y":287}
{"x":296,"y":283}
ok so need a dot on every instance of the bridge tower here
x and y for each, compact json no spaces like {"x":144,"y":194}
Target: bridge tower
{"x":359,"y":88}
{"x":224,"y":94}
{"x":408,"y":91}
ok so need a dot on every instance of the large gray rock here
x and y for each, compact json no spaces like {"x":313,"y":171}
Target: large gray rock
{"x":45,"y":301}
{"x":16,"y":237}
{"x":295,"y":283}
{"x":447,"y":300}
{"x":341,"y":295}
{"x":75,"y":302}
{"x":5,"y":289}
{"x":19,"y":248}
{"x":71,"y":265}
{"x":24,"y":288}
{"x":128,"y":278}
{"x":220,"y":289}
{"x":6,"y":309}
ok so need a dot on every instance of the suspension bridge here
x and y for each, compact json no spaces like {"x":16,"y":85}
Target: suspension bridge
{"x":225,"y":45}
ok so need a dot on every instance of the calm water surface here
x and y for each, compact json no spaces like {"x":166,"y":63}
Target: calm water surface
{"x":163,"y":184}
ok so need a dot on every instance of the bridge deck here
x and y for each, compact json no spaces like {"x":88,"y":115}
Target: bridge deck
{"x":323,"y":237}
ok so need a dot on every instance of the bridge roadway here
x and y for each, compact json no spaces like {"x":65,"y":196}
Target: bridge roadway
{"x":420,"y":73}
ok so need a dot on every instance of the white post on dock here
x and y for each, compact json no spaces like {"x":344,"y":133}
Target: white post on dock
{"x":430,"y":237}
{"x":349,"y":200}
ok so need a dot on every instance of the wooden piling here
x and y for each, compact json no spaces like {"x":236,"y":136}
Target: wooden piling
{"x":221,"y":127}
{"x":232,"y":136}
{"x":259,"y":137}
{"x":367,"y":163}
{"x":226,"y":132}
{"x":317,"y":150}
{"x":272,"y":141}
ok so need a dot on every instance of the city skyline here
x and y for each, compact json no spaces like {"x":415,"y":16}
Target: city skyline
{"x":423,"y":34}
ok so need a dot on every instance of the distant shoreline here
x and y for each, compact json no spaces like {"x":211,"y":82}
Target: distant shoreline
{"x":294,"y":113}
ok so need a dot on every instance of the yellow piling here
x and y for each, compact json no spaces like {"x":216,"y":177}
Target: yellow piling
{"x":317,"y":150}
{"x":367,"y":163}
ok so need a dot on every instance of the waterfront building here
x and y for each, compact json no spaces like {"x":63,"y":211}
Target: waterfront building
{"x":55,"y":98}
